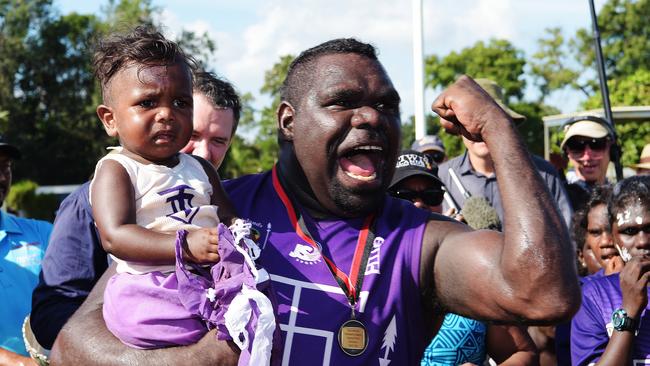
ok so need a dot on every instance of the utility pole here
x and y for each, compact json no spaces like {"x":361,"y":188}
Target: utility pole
{"x":418,"y":71}
{"x":604,"y":91}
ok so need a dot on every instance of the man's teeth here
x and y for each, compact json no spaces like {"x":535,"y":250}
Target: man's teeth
{"x":361,"y":177}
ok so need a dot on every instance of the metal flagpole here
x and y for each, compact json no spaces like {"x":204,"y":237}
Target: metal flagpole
{"x":418,"y":70}
{"x":604,"y":91}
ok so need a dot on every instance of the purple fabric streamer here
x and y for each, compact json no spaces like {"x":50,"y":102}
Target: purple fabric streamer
{"x":155,"y":310}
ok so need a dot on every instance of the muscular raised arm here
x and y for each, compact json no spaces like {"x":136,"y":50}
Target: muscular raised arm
{"x":526,"y":273}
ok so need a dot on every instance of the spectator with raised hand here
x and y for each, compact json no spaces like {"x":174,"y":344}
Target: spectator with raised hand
{"x":612,"y":326}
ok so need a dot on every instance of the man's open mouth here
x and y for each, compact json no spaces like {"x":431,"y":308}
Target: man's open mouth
{"x":362,"y":162}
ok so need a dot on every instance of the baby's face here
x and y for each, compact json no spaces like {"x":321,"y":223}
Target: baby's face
{"x":152,"y":110}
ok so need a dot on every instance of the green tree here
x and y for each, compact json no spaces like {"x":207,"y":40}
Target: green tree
{"x":47,"y":90}
{"x":498,"y":60}
{"x":625,"y":40}
{"x":260,"y":152}
{"x":551,"y":67}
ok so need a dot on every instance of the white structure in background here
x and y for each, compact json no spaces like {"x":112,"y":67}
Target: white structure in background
{"x":418,"y":70}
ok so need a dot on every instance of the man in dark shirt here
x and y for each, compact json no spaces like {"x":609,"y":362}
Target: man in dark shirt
{"x":473,"y":173}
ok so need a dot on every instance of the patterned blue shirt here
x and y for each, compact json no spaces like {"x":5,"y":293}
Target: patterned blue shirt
{"x":459,"y":340}
{"x":22,"y":245}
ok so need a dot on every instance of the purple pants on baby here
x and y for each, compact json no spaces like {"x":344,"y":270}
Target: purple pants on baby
{"x":157,"y":310}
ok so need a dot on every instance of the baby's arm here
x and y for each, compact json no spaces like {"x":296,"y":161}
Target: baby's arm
{"x":226,"y":212}
{"x":113,"y":203}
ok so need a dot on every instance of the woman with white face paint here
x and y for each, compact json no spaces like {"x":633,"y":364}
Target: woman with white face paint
{"x":613,"y":324}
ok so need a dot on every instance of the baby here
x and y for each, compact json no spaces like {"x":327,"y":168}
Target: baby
{"x":156,"y":211}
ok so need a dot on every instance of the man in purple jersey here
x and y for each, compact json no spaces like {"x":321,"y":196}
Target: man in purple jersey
{"x":613,"y":324}
{"x":362,"y":278}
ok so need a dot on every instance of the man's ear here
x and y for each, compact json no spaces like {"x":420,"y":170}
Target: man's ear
{"x":105,"y":114}
{"x":285,"y":115}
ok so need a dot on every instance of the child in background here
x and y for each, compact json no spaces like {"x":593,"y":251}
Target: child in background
{"x":156,"y":209}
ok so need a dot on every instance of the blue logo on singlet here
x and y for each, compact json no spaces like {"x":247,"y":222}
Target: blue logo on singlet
{"x":181,"y":201}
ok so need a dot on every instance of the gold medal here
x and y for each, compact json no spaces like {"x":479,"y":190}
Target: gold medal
{"x":353,"y":338}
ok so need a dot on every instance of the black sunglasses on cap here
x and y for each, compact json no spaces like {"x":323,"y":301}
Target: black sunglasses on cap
{"x":579,"y":145}
{"x":431,"y":197}
{"x":436,"y":156}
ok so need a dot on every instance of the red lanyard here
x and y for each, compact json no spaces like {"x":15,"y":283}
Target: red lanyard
{"x":350,"y":284}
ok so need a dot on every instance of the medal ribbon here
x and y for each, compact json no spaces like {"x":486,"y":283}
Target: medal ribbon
{"x":349,"y":284}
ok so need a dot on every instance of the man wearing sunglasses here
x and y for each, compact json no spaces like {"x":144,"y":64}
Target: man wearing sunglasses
{"x":431,"y":146}
{"x":587,"y":145}
{"x":416,"y":180}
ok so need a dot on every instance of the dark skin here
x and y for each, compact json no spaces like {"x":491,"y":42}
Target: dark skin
{"x":632,"y":234}
{"x":506,"y":344}
{"x":599,"y":239}
{"x":350,"y":103}
{"x":150,"y":111}
{"x":506,"y":289}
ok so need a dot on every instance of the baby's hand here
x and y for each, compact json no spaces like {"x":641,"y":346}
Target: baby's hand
{"x":202,"y":246}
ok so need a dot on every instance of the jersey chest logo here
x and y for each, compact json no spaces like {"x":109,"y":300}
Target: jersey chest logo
{"x":305,"y":254}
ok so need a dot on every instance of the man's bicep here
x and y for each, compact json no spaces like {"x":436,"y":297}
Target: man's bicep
{"x":465,"y":270}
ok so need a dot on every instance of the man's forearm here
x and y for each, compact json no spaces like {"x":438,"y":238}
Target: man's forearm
{"x":85,"y":340}
{"x":537,"y":259}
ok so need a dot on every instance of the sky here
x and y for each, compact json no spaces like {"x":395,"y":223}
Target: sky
{"x":252,"y":35}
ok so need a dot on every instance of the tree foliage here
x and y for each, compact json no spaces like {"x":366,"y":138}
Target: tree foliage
{"x":625,"y":40}
{"x":260,"y":152}
{"x":498,"y":60}
{"x":48,"y":93}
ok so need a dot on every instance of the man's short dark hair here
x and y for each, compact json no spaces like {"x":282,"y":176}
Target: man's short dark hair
{"x":143,"y":45}
{"x":627,"y":192}
{"x":600,"y":195}
{"x":219,"y":92}
{"x":298,"y":75}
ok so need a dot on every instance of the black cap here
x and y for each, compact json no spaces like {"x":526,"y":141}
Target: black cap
{"x":9,"y":149}
{"x":410,"y":163}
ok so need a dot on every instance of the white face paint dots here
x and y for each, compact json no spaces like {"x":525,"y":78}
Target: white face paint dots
{"x":623,"y":218}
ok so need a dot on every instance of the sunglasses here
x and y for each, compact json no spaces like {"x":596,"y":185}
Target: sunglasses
{"x":579,"y":146}
{"x":436,"y":156}
{"x":431,"y":197}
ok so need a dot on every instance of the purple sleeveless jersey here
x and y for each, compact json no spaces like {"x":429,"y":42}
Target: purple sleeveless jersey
{"x":312,"y":306}
{"x":592,"y":325}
